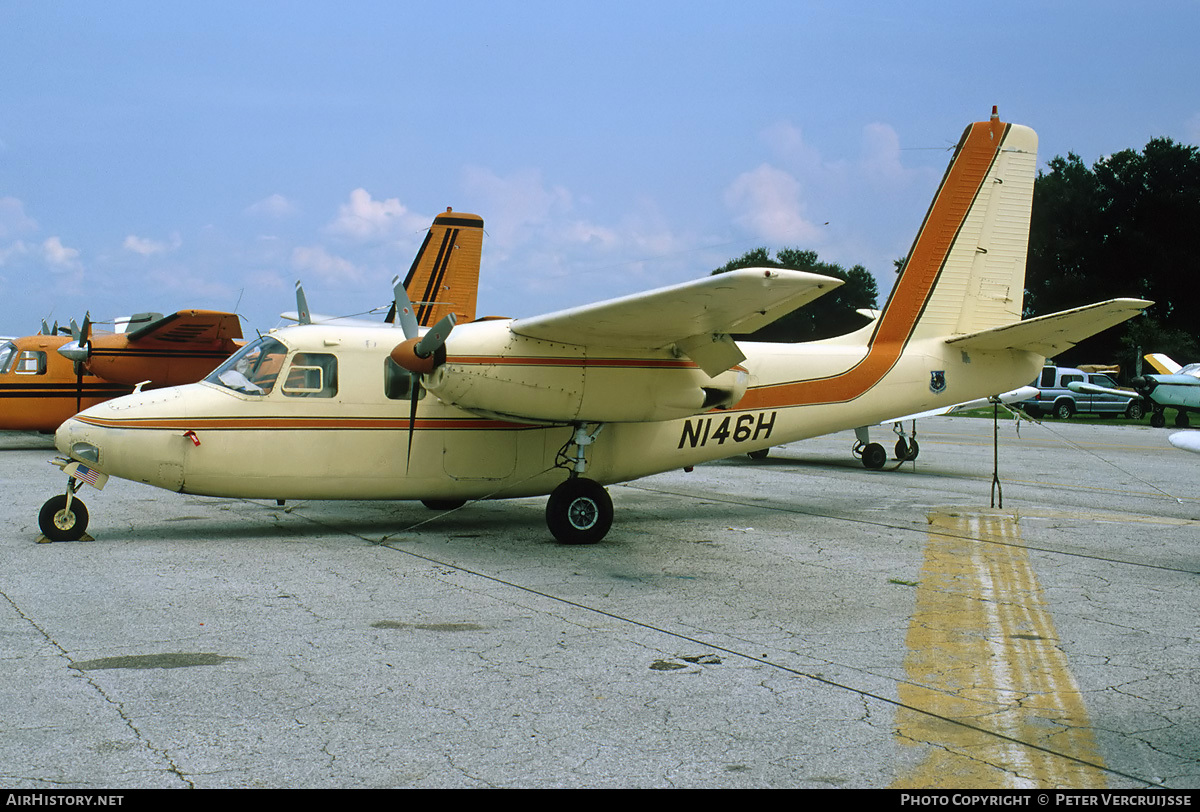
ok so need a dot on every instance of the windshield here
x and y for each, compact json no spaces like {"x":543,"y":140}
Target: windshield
{"x":7,"y":351}
{"x":252,"y":370}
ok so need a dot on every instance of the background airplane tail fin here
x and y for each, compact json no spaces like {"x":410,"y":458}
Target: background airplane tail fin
{"x":444,"y":277}
{"x":966,"y":269}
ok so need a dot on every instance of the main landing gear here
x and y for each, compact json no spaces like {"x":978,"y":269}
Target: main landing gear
{"x":874,"y":456}
{"x":579,"y":511}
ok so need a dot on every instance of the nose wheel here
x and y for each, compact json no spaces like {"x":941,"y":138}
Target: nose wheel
{"x":63,"y":518}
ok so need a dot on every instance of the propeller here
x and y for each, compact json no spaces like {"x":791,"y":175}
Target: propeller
{"x":79,"y":349}
{"x":417,"y":354}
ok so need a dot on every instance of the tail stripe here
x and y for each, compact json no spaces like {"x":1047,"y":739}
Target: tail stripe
{"x":977,"y":152}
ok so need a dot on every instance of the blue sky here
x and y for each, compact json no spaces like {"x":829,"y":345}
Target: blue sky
{"x":160,"y":156}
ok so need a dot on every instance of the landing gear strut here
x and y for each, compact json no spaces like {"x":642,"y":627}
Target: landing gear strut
{"x":579,"y":510}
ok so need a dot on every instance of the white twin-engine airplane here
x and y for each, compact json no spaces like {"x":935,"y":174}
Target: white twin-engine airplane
{"x":565,"y":403}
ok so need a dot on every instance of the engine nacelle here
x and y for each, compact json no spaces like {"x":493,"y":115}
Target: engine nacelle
{"x":570,"y":385}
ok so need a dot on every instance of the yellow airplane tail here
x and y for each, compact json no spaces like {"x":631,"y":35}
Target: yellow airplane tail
{"x":444,"y":277}
{"x":965,"y":271}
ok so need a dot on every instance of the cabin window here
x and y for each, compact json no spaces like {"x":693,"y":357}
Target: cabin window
{"x":8,"y":351}
{"x":398,"y":382}
{"x":31,"y":362}
{"x":311,"y":375}
{"x":253,"y":369}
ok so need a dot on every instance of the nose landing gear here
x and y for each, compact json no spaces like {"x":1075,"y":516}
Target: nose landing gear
{"x":64,"y":517}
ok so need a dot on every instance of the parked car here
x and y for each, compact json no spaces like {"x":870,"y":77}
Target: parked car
{"x":1055,"y":399}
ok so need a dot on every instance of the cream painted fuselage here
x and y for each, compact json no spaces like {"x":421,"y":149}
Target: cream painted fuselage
{"x":211,"y":439}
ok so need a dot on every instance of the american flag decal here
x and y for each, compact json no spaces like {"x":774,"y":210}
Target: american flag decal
{"x":87,"y":474}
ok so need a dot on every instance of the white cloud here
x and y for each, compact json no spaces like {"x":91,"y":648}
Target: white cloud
{"x":59,"y":255}
{"x":273,"y":206}
{"x":329,"y":267}
{"x":13,"y":220}
{"x":365,"y":219}
{"x":148,"y":247}
{"x":881,"y":153}
{"x":766,"y":202}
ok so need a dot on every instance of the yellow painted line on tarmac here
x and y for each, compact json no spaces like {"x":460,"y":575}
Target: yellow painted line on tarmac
{"x":983,"y":651}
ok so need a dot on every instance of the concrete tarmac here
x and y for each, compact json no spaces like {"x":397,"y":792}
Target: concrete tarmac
{"x":792,"y":622}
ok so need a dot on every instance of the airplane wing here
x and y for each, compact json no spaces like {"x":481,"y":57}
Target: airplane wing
{"x":696,"y":316}
{"x":1051,"y":334}
{"x":190,"y":327}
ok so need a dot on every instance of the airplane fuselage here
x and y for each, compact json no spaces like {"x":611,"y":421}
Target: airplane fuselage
{"x":211,"y":439}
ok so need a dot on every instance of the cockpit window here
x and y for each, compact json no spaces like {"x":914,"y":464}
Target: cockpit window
{"x":253,"y":369}
{"x":8,"y":351}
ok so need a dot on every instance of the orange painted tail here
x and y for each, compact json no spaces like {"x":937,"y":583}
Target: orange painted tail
{"x":444,"y":277}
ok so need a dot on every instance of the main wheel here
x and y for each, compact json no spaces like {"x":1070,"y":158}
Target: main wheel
{"x":1158,"y":419}
{"x":874,"y":456}
{"x":60,"y":523}
{"x":907,"y":450}
{"x":761,"y":454}
{"x":1181,"y":419}
{"x":443,"y":504}
{"x":579,"y":511}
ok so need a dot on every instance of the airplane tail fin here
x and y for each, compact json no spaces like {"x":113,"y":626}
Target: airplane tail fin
{"x":444,"y":277}
{"x":965,"y":271}
{"x":1162,"y":363}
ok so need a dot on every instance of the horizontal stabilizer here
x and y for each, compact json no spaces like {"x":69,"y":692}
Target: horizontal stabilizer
{"x":1051,"y":334}
{"x":1013,"y":396}
{"x":693,"y":315}
{"x":1187,"y":440}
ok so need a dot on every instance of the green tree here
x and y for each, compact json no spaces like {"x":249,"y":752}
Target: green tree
{"x":1120,"y":229}
{"x":831,"y":315}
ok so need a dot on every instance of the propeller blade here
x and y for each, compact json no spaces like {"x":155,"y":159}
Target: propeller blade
{"x":405,"y":315}
{"x":415,"y":385}
{"x":435,"y":338}
{"x":303,"y":316}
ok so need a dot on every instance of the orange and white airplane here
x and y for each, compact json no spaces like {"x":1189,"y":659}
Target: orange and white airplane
{"x":565,"y":403}
{"x":48,"y":377}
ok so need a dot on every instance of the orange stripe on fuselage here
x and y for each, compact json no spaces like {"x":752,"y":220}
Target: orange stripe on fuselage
{"x":300,"y":423}
{"x":967,"y":171}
